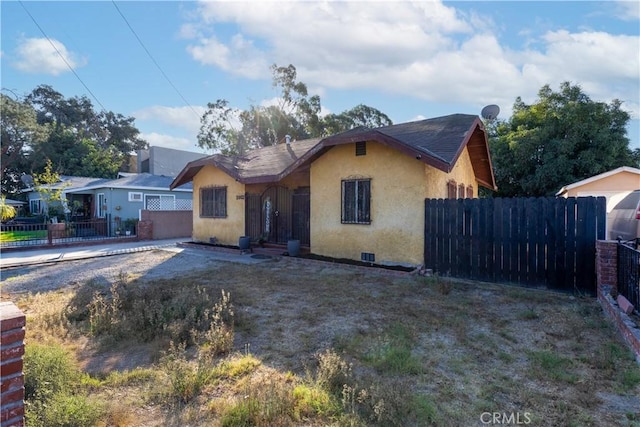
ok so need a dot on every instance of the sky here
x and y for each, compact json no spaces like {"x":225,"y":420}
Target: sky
{"x":161,"y":62}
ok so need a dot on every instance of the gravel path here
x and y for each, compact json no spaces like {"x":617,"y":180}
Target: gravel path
{"x":156,"y":263}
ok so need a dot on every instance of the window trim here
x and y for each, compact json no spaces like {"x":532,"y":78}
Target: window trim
{"x":356,"y":208}
{"x":215,"y":189}
{"x":136,"y":196}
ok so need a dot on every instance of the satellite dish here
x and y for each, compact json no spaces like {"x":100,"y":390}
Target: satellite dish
{"x":27,"y":180}
{"x":490,"y":112}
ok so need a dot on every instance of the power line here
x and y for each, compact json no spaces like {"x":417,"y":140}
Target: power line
{"x":61,"y":55}
{"x":154,"y":60}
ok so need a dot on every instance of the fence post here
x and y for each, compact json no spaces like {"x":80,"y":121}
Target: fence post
{"x":12,"y":323}
{"x":607,"y":263}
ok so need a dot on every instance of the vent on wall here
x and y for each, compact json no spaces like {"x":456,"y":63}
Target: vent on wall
{"x":368,"y":257}
{"x":361,"y":148}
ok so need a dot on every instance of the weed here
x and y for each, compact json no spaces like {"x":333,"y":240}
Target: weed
{"x":528,"y":314}
{"x":333,"y":372}
{"x":266,"y":400}
{"x":393,"y":352}
{"x":311,"y":401}
{"x":551,"y":365}
{"x":238,"y":366}
{"x":186,"y":379}
{"x":52,"y":389}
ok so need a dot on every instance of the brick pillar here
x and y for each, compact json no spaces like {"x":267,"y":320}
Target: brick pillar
{"x":145,"y":230}
{"x":12,"y":323}
{"x":607,"y":263}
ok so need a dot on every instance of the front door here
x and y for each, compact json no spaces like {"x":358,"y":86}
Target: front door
{"x":276,"y":214}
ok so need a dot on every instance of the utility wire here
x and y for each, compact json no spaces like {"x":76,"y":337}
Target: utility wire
{"x":61,"y":56}
{"x":154,"y":60}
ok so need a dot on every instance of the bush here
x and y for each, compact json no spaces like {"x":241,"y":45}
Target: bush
{"x":48,"y":369}
{"x":186,"y":379}
{"x":52,"y":385}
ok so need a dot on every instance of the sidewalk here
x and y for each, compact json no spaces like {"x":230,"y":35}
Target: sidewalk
{"x":55,"y":254}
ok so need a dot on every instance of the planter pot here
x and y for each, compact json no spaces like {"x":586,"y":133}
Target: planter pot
{"x":244,"y":243}
{"x":293,"y":247}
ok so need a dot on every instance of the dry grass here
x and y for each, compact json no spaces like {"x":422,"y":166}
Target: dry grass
{"x":317,"y":344}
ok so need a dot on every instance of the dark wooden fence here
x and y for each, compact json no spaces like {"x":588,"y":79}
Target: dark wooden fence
{"x":533,"y":241}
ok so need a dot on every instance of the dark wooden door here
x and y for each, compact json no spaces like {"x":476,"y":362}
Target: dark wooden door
{"x":276,"y":214}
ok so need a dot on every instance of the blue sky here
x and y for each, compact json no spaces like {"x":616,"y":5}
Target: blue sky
{"x":411,"y":60}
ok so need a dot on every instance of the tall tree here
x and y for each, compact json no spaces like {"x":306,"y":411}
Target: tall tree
{"x":561,"y":138}
{"x":19,"y":129}
{"x":76,"y":129}
{"x":232,"y":131}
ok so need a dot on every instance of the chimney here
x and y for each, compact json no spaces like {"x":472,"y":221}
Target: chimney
{"x":287,"y":138}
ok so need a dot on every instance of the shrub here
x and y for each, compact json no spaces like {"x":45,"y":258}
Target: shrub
{"x":186,"y":379}
{"x":48,"y":369}
{"x":52,"y":389}
{"x":333,"y":372}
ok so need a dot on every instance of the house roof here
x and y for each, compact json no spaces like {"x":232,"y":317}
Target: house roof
{"x":135,"y":181}
{"x":603,"y":175}
{"x":437,"y":142}
{"x":141,"y":181}
{"x":268,"y":164}
{"x":12,"y":202}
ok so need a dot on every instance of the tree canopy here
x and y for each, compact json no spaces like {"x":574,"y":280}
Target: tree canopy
{"x":562,"y":138}
{"x":297,"y":114}
{"x":45,"y":126}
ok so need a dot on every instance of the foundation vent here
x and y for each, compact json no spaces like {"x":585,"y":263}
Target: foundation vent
{"x":368,"y":257}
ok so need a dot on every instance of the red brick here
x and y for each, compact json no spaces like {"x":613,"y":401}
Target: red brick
{"x":10,"y":368}
{"x":11,"y":352}
{"x":12,"y":336}
{"x":12,"y":383}
{"x":10,"y":413}
{"x":625,"y":305}
{"x":12,"y":396}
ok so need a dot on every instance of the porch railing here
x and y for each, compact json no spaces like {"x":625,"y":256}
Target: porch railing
{"x":629,"y":271}
{"x":25,"y":234}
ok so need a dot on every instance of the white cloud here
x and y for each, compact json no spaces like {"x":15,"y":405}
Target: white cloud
{"x":169,"y":141}
{"x":627,"y":10}
{"x":45,"y":56}
{"x":187,"y":118}
{"x":423,"y":50}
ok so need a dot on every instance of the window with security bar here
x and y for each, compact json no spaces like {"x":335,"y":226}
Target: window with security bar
{"x":157,"y":202}
{"x":356,"y":201}
{"x":213,"y":202}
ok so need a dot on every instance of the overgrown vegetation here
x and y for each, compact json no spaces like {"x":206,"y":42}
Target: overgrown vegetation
{"x":287,"y":344}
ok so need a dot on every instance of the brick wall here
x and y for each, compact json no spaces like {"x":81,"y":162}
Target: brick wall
{"x":12,"y":323}
{"x":607,"y":263}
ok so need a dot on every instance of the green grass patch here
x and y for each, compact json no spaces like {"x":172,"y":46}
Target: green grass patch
{"x":547,"y":364}
{"x":17,"y":236}
{"x":392,"y":353}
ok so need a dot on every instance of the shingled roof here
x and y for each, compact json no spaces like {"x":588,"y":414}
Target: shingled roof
{"x":268,"y":164}
{"x":437,"y":142}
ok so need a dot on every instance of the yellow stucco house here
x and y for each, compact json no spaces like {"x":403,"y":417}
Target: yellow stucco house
{"x":356,"y":195}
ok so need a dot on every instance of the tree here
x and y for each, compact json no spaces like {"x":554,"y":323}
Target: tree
{"x":562,"y":138}
{"x":232,"y":131}
{"x":6,"y":211}
{"x":76,"y":130}
{"x":48,"y":185}
{"x":19,"y":129}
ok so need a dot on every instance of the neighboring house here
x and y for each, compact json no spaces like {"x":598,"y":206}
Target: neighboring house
{"x":164,"y":161}
{"x":615,"y":185}
{"x":109,"y":198}
{"x":357,"y":195}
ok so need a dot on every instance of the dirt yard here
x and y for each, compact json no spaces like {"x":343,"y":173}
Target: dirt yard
{"x":550,"y":359}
